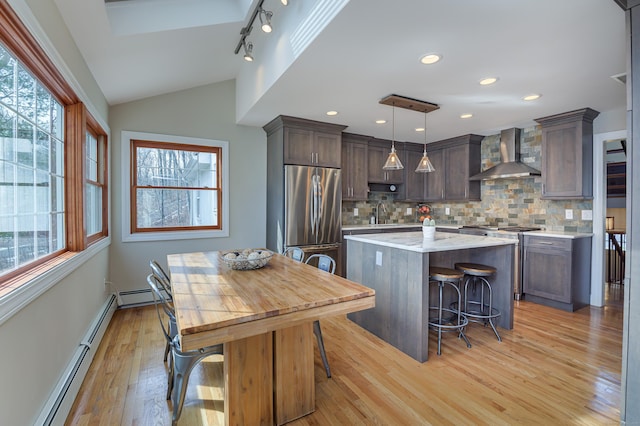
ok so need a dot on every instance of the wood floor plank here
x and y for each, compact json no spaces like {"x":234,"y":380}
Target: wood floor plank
{"x":554,"y":367}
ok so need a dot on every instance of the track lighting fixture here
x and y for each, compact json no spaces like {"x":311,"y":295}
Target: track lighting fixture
{"x":248,"y":48}
{"x":266,"y":23}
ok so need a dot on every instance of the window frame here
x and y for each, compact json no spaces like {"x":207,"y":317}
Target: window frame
{"x":172,"y":141}
{"x":21,"y":285}
{"x":103,"y":178}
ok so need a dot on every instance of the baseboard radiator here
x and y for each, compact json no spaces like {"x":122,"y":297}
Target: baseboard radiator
{"x":61,"y":400}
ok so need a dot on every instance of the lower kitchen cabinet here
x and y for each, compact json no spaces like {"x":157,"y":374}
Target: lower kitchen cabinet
{"x":557,"y":271}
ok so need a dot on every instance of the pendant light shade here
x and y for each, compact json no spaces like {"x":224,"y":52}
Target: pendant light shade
{"x":425,"y":166}
{"x":393,"y":161}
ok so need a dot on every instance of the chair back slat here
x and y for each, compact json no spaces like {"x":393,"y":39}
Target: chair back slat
{"x":162,"y":277}
{"x":325,"y":262}
{"x":295,"y":253}
{"x":160,"y":301}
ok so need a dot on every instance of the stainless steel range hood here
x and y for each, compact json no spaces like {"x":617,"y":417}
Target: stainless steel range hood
{"x":510,"y":165}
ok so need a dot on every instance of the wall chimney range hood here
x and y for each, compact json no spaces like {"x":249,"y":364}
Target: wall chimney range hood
{"x":510,"y":165}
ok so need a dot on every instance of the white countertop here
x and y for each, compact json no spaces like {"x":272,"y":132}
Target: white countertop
{"x":444,"y":241}
{"x":381,"y":226}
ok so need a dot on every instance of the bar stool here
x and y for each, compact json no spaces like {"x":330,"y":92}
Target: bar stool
{"x":480,"y":308}
{"x":453,"y":319}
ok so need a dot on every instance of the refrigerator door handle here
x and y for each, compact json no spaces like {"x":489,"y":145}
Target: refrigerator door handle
{"x":314,"y":204}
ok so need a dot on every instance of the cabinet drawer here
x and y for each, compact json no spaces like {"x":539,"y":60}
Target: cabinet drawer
{"x":549,"y":242}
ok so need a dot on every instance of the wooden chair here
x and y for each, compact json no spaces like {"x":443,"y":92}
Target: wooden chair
{"x":327,"y":264}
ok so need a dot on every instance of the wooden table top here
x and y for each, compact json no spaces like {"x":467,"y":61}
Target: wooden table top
{"x":215,"y":303}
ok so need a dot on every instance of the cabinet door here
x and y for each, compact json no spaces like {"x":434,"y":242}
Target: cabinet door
{"x":547,"y":273}
{"x":354,"y":171}
{"x":456,"y":178}
{"x":561,"y":161}
{"x":414,"y":183}
{"x":358,"y":165}
{"x":435,"y":180}
{"x":298,"y":147}
{"x":327,"y":149}
{"x":376,"y":158}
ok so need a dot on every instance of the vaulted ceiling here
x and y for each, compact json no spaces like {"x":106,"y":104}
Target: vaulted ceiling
{"x":345,"y":55}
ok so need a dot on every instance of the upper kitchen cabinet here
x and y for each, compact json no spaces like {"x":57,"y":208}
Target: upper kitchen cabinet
{"x":454,"y":160}
{"x":567,"y":155}
{"x":461,"y":161}
{"x":354,"y":167}
{"x":306,"y":142}
{"x":377,"y":155}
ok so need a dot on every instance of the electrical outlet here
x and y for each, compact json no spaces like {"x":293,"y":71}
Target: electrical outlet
{"x":409,"y":211}
{"x":355,"y":211}
{"x":379,"y":258}
{"x":447,"y":210}
{"x":587,"y":214}
{"x":568,"y":214}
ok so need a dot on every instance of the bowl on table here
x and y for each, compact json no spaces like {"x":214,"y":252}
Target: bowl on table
{"x":246,"y":259}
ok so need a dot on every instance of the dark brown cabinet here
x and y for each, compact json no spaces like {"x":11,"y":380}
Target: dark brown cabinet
{"x":557,"y":271}
{"x":307,"y":142}
{"x":377,"y":156}
{"x":454,"y":160}
{"x":567,"y":155}
{"x":354,"y":167}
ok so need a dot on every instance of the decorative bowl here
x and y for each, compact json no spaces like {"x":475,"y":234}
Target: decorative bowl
{"x":246,"y":259}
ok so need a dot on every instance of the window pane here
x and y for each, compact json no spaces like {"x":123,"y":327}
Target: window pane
{"x":94,"y":209}
{"x":166,"y":208}
{"x":43,"y":108}
{"x":26,"y":94}
{"x":91,"y":161}
{"x":7,"y":78}
{"x":24,"y":147}
{"x":42,"y":151}
{"x":57,"y":117}
{"x":177,"y":168}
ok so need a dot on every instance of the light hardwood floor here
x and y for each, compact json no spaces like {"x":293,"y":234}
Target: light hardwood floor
{"x":553,"y":368}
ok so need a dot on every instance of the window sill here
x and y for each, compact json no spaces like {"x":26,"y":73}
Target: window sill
{"x":25,"y":288}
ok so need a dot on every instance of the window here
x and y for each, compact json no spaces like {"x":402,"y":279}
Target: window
{"x":95,"y":185}
{"x":50,"y":148}
{"x":31,"y":167}
{"x":177,"y":187}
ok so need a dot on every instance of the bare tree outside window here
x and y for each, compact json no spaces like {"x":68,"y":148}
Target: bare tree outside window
{"x":175,"y":186}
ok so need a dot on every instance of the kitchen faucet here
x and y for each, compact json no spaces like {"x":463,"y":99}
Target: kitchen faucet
{"x":378,"y":206}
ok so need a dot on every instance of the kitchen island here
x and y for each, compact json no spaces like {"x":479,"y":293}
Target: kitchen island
{"x":396,"y":266}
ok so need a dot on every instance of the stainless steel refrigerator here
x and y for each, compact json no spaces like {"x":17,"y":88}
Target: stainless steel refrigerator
{"x":311,"y":211}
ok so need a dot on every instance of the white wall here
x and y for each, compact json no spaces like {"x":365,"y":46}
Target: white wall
{"x":204,"y":112}
{"x":39,"y":340}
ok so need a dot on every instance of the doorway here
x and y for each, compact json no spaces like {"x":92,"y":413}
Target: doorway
{"x":600,"y":236}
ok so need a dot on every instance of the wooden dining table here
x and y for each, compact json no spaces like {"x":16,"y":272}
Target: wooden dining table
{"x":264,"y":318}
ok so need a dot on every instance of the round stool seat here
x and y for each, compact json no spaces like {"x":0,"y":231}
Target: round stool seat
{"x":476,"y":269}
{"x":438,"y":273}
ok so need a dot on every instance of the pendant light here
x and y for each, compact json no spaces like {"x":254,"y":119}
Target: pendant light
{"x":393,"y":162}
{"x":425,"y":166}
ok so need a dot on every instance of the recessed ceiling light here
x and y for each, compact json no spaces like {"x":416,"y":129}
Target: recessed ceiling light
{"x":332,"y":112}
{"x":467,"y":115}
{"x":488,"y":80}
{"x":531,"y":97}
{"x":419,"y":129}
{"x":430,"y":58}
{"x":381,"y":121}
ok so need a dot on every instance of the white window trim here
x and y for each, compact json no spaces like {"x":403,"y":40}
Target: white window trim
{"x":125,"y":149}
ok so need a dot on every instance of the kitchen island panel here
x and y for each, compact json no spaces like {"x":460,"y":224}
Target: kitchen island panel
{"x":400,"y":278}
{"x":399,"y":284}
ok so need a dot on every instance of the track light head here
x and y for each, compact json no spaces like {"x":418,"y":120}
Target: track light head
{"x":248,"y":48}
{"x":266,"y":21}
{"x":284,"y":2}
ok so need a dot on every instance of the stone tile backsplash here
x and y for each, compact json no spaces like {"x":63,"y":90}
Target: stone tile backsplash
{"x":505,"y":202}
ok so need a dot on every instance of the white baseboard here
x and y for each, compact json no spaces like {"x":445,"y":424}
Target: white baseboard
{"x":59,"y":404}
